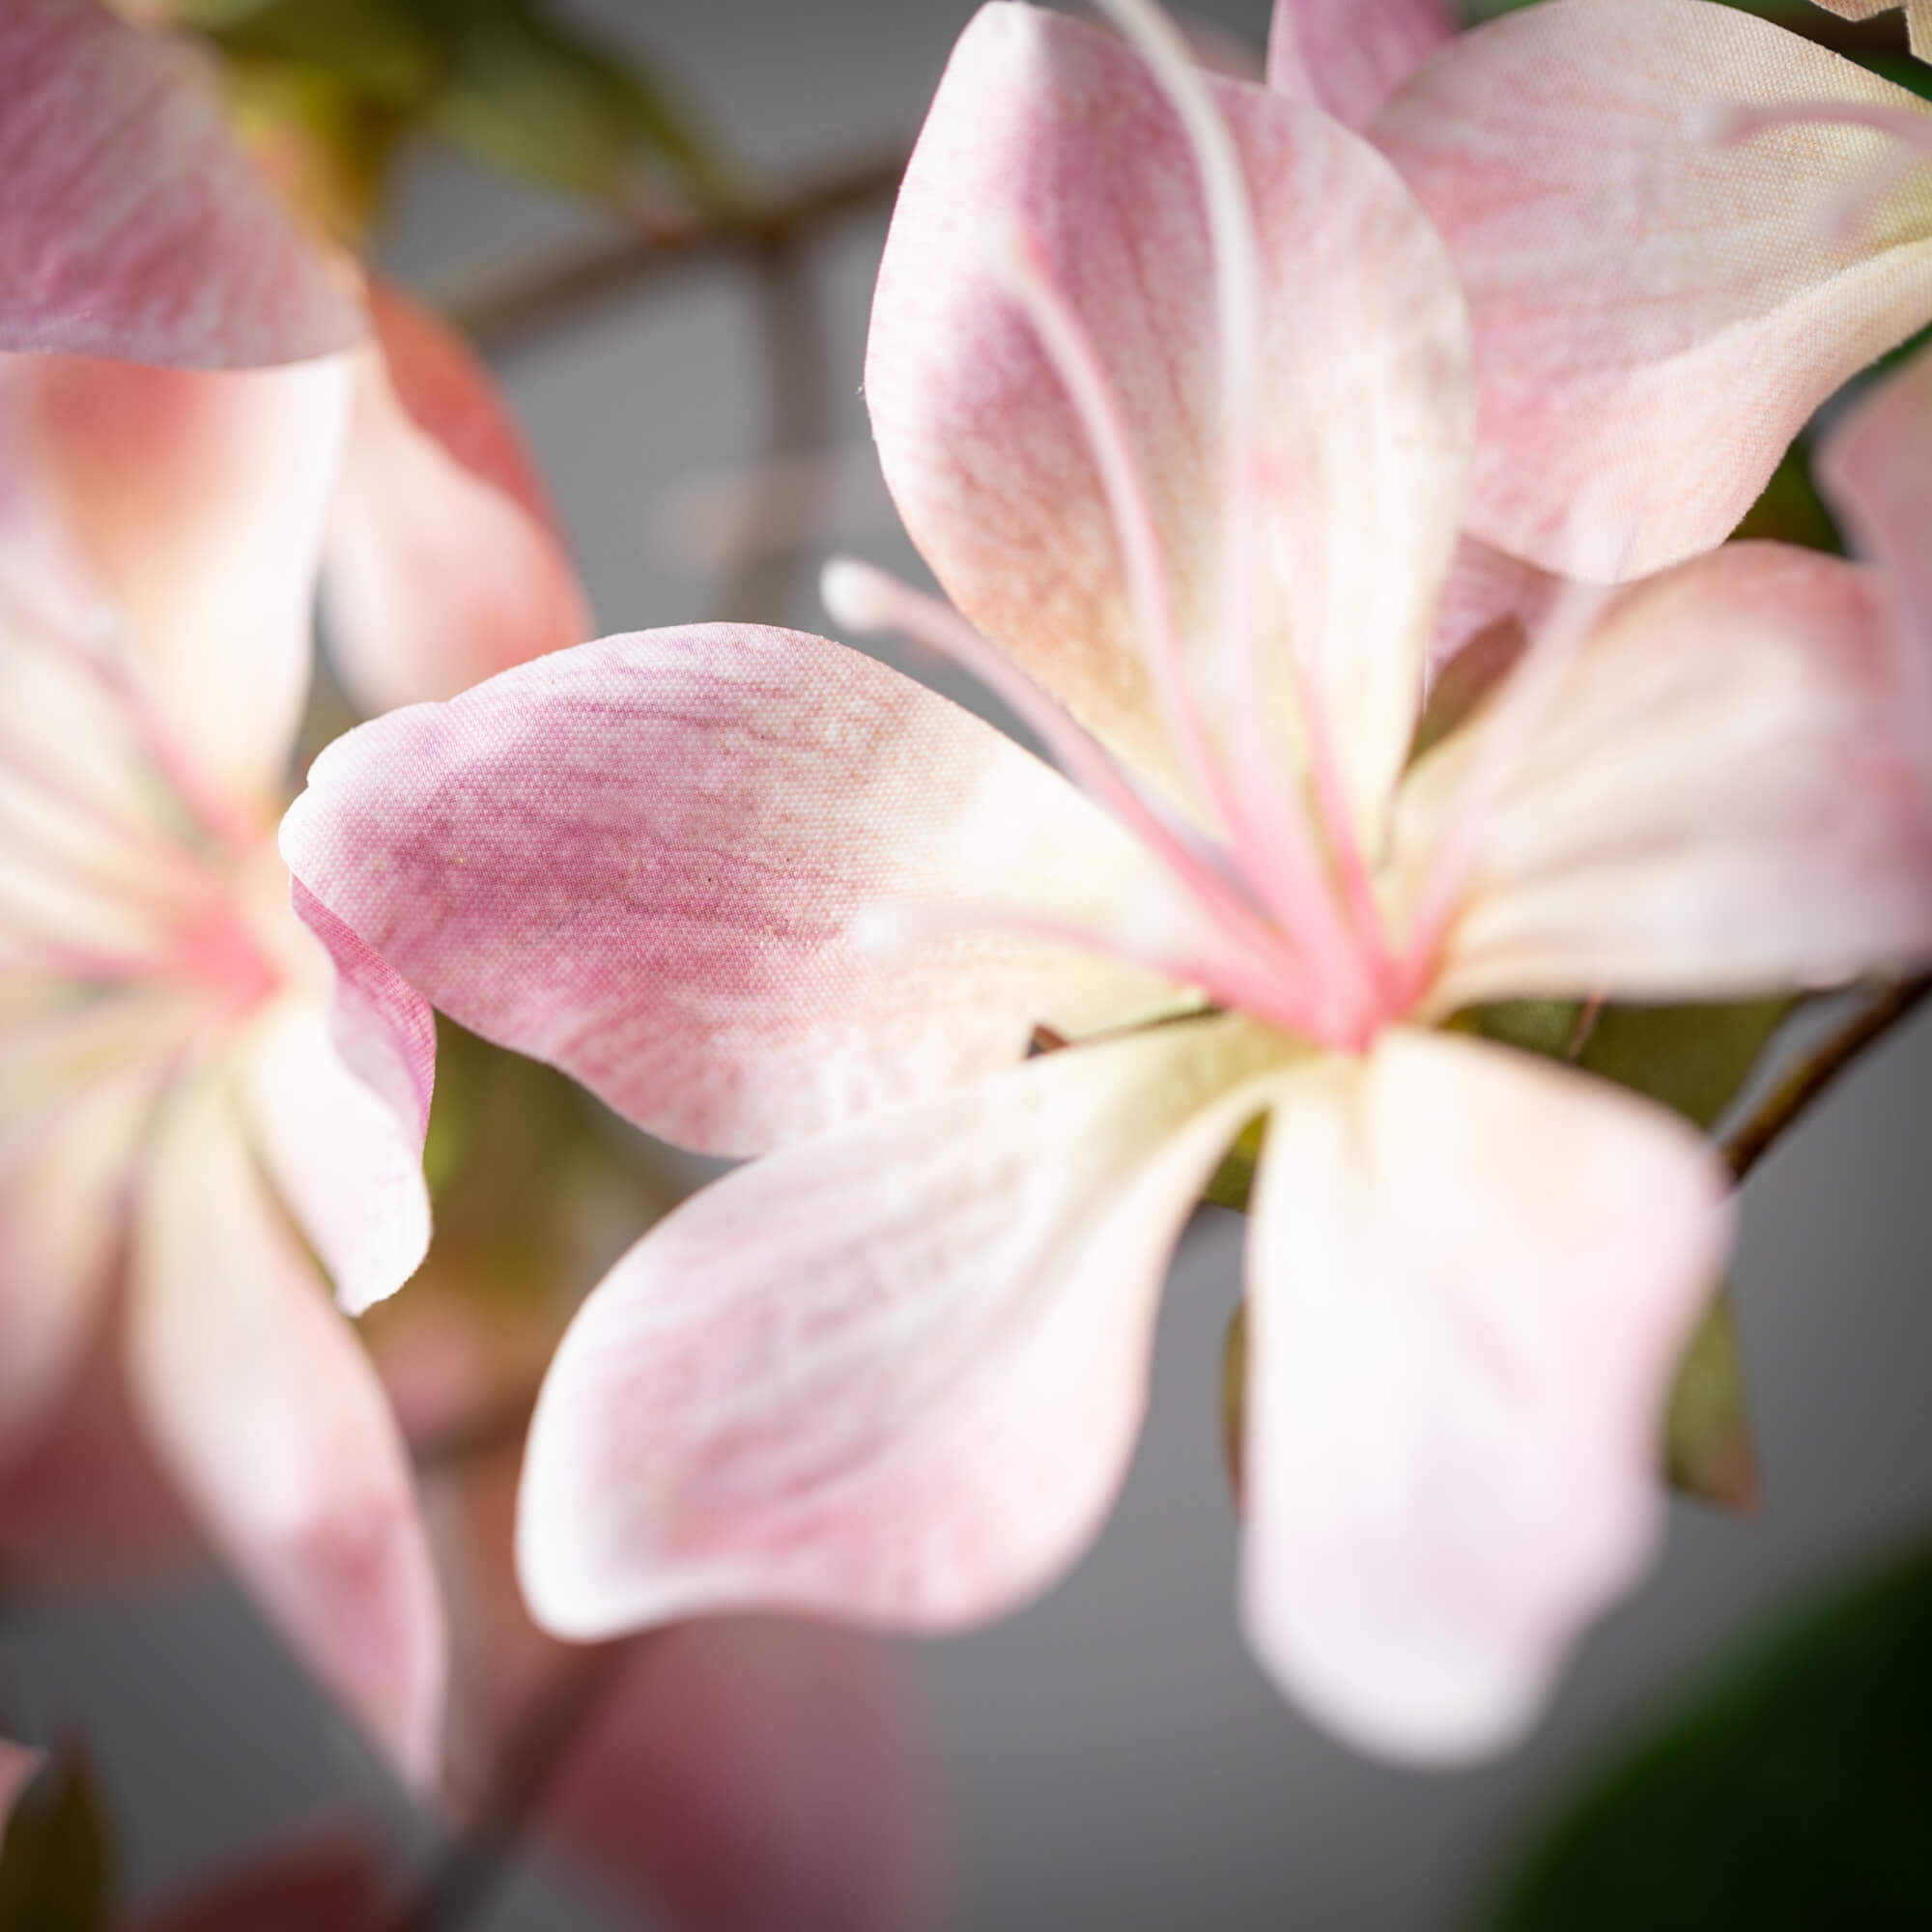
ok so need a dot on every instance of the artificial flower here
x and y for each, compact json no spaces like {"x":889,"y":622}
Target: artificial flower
{"x":1172,"y":387}
{"x":1679,"y":228}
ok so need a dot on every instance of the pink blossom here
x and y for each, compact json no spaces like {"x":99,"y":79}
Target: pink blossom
{"x":1679,"y":228}
{"x":1172,"y":383}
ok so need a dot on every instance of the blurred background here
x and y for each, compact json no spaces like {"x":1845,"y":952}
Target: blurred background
{"x":1109,"y":1756}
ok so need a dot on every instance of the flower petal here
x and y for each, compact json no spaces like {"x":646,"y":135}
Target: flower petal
{"x":340,"y":1158}
{"x":1469,"y":1275}
{"x":445,"y":563}
{"x":651,"y":859}
{"x":18,"y":1766}
{"x":1730,"y":794}
{"x":1877,"y":467}
{"x":133,"y":225}
{"x":1488,"y":586}
{"x":199,"y":502}
{"x":892,"y":1374}
{"x":1656,"y":313}
{"x":266,"y":1411}
{"x":1046,"y":124}
{"x":745,"y":1772}
{"x":1348,"y":58}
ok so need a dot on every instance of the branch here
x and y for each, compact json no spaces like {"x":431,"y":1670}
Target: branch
{"x":502,"y":313}
{"x":1793,"y":1096}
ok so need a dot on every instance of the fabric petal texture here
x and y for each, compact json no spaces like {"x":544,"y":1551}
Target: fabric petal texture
{"x":1348,"y":58}
{"x":268,"y":1416}
{"x":1658,"y":310}
{"x":133,"y":225}
{"x":1048,"y":127}
{"x":894,"y":1373}
{"x":660,"y":862}
{"x":1730,"y":794}
{"x":1470,"y":1273}
{"x":198,"y":503}
{"x":445,"y":563}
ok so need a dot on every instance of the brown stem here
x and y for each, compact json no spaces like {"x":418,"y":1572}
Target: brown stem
{"x":1793,"y":1096}
{"x":524,"y":304}
{"x":461,"y":1882}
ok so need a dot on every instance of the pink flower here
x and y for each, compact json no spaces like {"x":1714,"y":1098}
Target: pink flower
{"x":1680,"y":228}
{"x":1194,"y":486}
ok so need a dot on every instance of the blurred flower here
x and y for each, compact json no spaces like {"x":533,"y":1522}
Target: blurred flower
{"x":17,"y":1766}
{"x":750,"y":887}
{"x":1680,"y":228}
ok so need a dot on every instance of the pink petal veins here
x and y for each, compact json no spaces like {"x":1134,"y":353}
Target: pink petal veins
{"x":668,"y":906}
{"x":1729,"y":794}
{"x":265,"y":1409}
{"x":892,"y":1374}
{"x":133,"y":225}
{"x":1348,"y":56}
{"x":1469,"y":1276}
{"x":1656,"y":314}
{"x":445,"y":563}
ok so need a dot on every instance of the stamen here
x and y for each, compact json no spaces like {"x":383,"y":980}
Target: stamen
{"x":868,"y":601}
{"x":1849,"y":212}
{"x":1521,"y":709}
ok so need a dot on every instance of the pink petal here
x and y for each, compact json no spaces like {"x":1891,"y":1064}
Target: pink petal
{"x":1877,"y":468}
{"x":1656,"y":313}
{"x":651,"y":861}
{"x":18,"y":1766}
{"x":445,"y":563}
{"x":133,"y":225}
{"x":338,"y":1155}
{"x":63,"y":1175}
{"x":198,"y":500}
{"x":1469,"y":1276}
{"x":1730,"y":794}
{"x":1348,"y":56}
{"x":892,"y":1374}
{"x":747,"y":1774}
{"x":1043,"y":123}
{"x":265,"y":1409}
{"x":1918,"y":17}
{"x":333,"y":1883}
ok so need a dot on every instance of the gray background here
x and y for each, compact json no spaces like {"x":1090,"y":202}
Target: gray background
{"x":1109,"y":1756}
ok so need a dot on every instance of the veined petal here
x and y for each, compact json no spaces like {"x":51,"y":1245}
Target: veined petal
{"x":1876,"y":467}
{"x":341,"y":1160}
{"x":652,"y":861}
{"x":1469,"y":1276}
{"x":892,"y":1374}
{"x":1918,"y":17}
{"x":1730,"y":794}
{"x":199,"y":502}
{"x":1656,"y":311}
{"x":268,"y":1414}
{"x":64,"y":1181}
{"x":445,"y":563}
{"x":1045,"y":123}
{"x":133,"y":225}
{"x":1348,"y":56}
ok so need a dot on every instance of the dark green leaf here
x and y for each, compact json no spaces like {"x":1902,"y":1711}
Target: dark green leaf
{"x":57,"y":1862}
{"x":1709,"y":1450}
{"x":1693,"y":1059}
{"x":1788,"y":1796}
{"x":1790,"y":509}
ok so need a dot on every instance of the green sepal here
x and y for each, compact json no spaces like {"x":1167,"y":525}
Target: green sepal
{"x":1709,"y":1451}
{"x":1235,"y":1179}
{"x":1788,"y":1792}
{"x":57,"y":1859}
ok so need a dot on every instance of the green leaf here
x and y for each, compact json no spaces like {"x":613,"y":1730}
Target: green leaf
{"x":527,"y":95}
{"x":1234,"y":1395}
{"x":1790,"y":509}
{"x":1693,"y":1059}
{"x":1235,"y":1177}
{"x":1786,"y":1795}
{"x":1547,"y":1026}
{"x":1709,"y":1450}
{"x":381,"y":49}
{"x":57,"y":1862}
